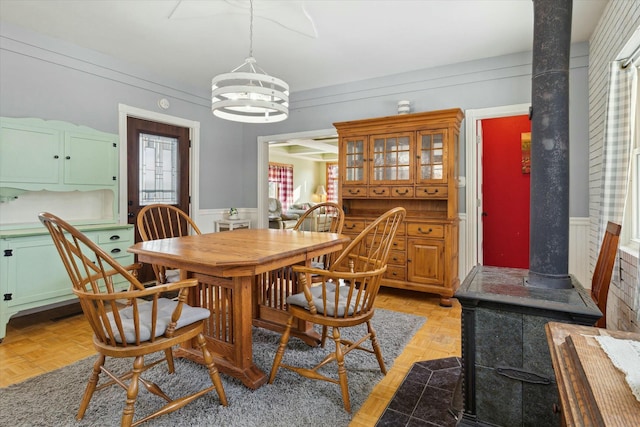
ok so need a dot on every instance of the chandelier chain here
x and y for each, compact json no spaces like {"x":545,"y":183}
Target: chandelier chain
{"x":251,"y":28}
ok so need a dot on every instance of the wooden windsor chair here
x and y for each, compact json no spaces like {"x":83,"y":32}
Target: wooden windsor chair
{"x":160,"y":221}
{"x":604,"y":269}
{"x":344,"y":298}
{"x":135,"y":329}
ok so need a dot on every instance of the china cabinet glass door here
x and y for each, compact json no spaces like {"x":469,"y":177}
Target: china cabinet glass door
{"x":391,"y":158}
{"x":354,"y":150}
{"x":432,"y":157}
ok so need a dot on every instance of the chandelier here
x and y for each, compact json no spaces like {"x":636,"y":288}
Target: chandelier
{"x":248,"y":94}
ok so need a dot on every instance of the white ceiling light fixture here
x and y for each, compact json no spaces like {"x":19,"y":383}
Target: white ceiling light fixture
{"x":248,"y":94}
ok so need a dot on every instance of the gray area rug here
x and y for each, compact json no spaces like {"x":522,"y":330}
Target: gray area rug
{"x":52,"y":399}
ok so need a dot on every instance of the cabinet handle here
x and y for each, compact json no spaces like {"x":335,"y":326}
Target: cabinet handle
{"x":350,"y":227}
{"x":114,"y":237}
{"x":352,"y":191}
{"x":403,"y":193}
{"x":378,"y":191}
{"x":425,"y":232}
{"x":426,"y":190}
{"x":68,"y":157}
{"x":56,"y":157}
{"x":116,"y":250}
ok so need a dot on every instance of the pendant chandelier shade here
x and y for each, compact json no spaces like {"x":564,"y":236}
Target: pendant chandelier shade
{"x":248,"y":94}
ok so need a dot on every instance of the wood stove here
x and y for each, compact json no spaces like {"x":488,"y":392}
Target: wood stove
{"x":508,"y":378}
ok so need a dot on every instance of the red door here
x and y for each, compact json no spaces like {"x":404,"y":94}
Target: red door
{"x":505,"y":193}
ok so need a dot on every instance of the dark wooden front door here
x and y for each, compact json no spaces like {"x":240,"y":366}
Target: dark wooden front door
{"x":157,"y":170}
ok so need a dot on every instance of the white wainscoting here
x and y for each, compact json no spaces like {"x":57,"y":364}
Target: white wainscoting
{"x":579,"y":250}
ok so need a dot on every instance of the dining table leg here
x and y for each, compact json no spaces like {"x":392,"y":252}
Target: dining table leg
{"x":228,"y":331}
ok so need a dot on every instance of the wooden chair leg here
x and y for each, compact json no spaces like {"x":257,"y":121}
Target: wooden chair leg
{"x":342,"y":371}
{"x":376,"y":347}
{"x":281,"y":348}
{"x":325,"y":332}
{"x":213,"y":371}
{"x":91,"y":386}
{"x":169,"y":355}
{"x":132,"y":392}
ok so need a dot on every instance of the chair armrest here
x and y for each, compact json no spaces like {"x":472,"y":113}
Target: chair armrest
{"x":138,"y":293}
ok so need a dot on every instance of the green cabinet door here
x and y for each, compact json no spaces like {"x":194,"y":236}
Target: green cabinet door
{"x":33,"y":273}
{"x":29,"y":154}
{"x":90,"y":159}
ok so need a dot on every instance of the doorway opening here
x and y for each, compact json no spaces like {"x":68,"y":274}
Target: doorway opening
{"x":263,"y":164}
{"x":474,"y":172}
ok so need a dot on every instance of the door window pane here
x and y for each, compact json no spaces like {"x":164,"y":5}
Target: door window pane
{"x":159,"y":169}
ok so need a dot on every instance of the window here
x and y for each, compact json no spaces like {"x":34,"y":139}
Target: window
{"x":634,"y":184}
{"x":158,"y":171}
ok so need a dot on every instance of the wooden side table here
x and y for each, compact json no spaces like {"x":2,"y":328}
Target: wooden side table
{"x":231,"y":224}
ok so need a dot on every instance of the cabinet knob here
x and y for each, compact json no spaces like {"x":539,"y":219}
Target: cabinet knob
{"x":56,"y":157}
{"x":68,"y":157}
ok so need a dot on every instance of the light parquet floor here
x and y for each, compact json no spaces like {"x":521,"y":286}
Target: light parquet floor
{"x":38,"y":343}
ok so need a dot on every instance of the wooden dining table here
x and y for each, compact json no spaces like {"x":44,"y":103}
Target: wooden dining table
{"x":243,"y":279}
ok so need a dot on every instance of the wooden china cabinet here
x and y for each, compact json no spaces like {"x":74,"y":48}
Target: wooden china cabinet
{"x":411,"y":161}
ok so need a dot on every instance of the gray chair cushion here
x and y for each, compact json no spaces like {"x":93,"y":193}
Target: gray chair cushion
{"x":165,"y":310}
{"x":330,"y":308}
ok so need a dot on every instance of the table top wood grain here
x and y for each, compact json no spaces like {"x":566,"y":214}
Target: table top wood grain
{"x":240,"y":252}
{"x":593,"y":392}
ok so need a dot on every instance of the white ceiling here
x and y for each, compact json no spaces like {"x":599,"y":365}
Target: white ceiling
{"x":309,"y":44}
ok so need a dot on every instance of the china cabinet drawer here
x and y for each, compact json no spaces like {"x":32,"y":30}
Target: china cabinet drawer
{"x":379,"y":191}
{"x":397,"y":257}
{"x":398,"y":243}
{"x":425,"y":230}
{"x":353,"y":226}
{"x":395,"y":272}
{"x":354,"y":191}
{"x":402,"y":191}
{"x":432,"y":192}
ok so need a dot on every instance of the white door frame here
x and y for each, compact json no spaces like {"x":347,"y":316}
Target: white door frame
{"x":125,"y":111}
{"x":263,"y":165}
{"x":473,"y":153}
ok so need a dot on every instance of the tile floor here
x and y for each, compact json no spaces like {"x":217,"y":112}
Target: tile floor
{"x":430,"y":395}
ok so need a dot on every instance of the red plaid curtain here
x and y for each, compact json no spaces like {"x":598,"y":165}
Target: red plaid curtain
{"x":283,"y":176}
{"x":332,"y":182}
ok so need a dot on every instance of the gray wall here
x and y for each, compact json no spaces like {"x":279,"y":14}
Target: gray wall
{"x":47,"y":78}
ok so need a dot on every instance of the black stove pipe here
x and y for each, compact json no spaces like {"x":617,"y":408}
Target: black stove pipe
{"x":549,"y":223}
